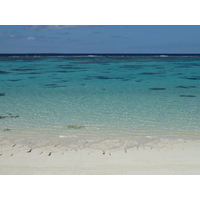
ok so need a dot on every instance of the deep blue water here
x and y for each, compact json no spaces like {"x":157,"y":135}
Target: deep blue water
{"x":143,"y":94}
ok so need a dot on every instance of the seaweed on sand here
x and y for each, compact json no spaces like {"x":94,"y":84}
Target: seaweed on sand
{"x":75,"y":127}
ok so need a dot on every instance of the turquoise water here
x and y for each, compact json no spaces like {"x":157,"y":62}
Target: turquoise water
{"x":145,"y":95}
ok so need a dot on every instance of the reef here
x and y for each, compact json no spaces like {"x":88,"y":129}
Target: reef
{"x":2,"y":94}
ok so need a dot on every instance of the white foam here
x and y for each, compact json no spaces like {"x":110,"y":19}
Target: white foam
{"x":64,"y":136}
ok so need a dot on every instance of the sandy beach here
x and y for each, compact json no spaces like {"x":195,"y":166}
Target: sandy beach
{"x":95,"y":155}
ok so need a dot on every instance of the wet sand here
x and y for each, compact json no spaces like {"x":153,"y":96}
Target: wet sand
{"x":112,"y":155}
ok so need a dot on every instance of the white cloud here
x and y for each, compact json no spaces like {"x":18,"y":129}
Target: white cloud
{"x":30,"y":38}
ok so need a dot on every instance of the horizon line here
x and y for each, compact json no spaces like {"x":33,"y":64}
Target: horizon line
{"x":102,"y":53}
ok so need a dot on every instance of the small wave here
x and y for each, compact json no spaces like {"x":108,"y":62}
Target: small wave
{"x":163,"y":55}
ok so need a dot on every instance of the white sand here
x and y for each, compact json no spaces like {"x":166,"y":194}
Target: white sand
{"x":99,"y":155}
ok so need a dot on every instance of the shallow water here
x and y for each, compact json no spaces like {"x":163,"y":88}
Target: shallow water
{"x":132,"y":95}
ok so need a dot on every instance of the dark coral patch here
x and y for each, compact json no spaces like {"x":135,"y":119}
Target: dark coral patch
{"x":132,"y":66}
{"x":66,"y":66}
{"x":14,"y":80}
{"x":69,"y":67}
{"x":157,"y":88}
{"x":185,"y":87}
{"x":88,"y":78}
{"x":106,"y":77}
{"x":2,"y":94}
{"x":63,"y":81}
{"x":21,"y":69}
{"x":32,"y":77}
{"x":194,"y":78}
{"x":65,"y":71}
{"x":92,"y":62}
{"x":53,"y":85}
{"x":3,"y":72}
{"x":126,"y":79}
{"x":187,"y":96}
{"x":151,"y":73}
{"x":139,"y":80}
{"x":182,"y":67}
{"x":29,"y":73}
{"x":34,"y":73}
{"x":101,"y":77}
{"x":177,"y":74}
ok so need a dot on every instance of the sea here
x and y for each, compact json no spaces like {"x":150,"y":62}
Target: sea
{"x":100,"y":94}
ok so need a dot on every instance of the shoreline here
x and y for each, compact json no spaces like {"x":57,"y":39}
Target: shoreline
{"x":99,"y":155}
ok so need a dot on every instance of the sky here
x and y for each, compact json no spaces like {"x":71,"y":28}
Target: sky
{"x":100,"y":39}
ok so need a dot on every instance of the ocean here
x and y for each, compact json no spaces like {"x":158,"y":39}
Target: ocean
{"x":100,"y":94}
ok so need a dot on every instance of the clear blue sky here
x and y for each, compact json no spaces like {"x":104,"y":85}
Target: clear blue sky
{"x":100,"y":39}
